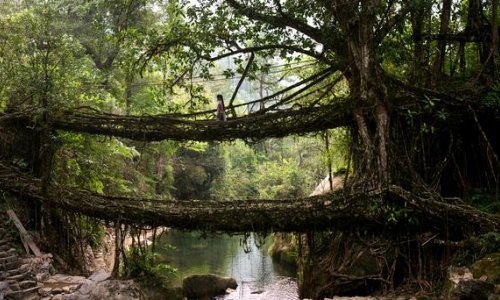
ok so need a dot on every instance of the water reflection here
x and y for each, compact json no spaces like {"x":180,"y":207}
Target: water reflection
{"x":257,"y":275}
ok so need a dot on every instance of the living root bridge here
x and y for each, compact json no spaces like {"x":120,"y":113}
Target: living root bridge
{"x":179,"y":127}
{"x":278,"y":123}
{"x":358,"y":211}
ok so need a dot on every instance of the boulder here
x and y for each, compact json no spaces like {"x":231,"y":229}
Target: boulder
{"x":99,"y":276}
{"x":4,"y":289}
{"x":472,"y":289}
{"x":463,"y":286}
{"x":116,"y":290}
{"x":488,"y":268}
{"x":206,"y":286}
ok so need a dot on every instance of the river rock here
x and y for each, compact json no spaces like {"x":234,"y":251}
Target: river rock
{"x":86,"y":288}
{"x":371,"y":298}
{"x":45,"y":291}
{"x":4,"y":288}
{"x":116,"y":290}
{"x":462,"y":285}
{"x":488,"y":268}
{"x":73,"y":297}
{"x":99,"y":276}
{"x":206,"y":286}
{"x":473,"y":290}
{"x":67,"y":279}
{"x":97,"y":286}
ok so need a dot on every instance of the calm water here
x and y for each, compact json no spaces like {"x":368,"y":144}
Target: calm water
{"x":257,"y":275}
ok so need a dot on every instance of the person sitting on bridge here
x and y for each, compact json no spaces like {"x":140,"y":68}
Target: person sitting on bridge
{"x":221,"y":115}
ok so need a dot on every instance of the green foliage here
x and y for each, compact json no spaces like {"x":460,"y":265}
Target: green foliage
{"x":477,"y":247}
{"x":401,"y":216}
{"x":287,"y":168}
{"x":486,"y":200}
{"x":48,"y":61}
{"x":70,"y":54}
{"x":281,"y":179}
{"x":145,"y":268}
{"x":493,"y":95}
{"x":196,"y":167}
{"x":285,"y":247}
{"x":99,"y":166}
{"x":335,"y":154}
{"x":90,"y":230}
{"x":238,"y":181}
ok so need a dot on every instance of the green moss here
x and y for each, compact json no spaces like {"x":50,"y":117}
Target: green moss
{"x":477,"y":247}
{"x":488,"y":266}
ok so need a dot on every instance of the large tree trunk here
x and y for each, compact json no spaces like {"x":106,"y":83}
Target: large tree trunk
{"x":494,"y":34}
{"x":366,"y":81}
{"x":441,"y":47}
{"x":476,"y":22}
{"x":419,"y":58}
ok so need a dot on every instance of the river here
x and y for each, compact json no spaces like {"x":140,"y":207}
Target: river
{"x":258,"y":276}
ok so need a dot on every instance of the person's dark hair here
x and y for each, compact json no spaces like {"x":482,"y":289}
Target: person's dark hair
{"x":219,"y":97}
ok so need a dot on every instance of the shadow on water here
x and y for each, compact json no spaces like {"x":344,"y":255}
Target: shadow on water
{"x":258,"y":276}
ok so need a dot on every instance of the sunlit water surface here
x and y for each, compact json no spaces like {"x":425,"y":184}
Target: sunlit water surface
{"x":257,"y":275}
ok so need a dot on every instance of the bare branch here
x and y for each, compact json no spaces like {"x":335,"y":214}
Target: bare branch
{"x":297,"y":49}
{"x":243,"y":76}
{"x":292,"y":96}
{"x":306,"y":80}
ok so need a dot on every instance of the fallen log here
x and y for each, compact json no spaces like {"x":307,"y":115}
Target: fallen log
{"x":26,"y":238}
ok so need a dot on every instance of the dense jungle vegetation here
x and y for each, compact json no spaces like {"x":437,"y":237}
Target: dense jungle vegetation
{"x":416,"y":83}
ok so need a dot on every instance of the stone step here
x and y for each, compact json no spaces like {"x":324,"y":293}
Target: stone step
{"x":14,"y":272}
{"x":4,"y":233}
{"x":9,"y":259}
{"x":9,"y":266}
{"x":27,"y":293}
{"x":8,"y":253}
{"x":21,"y":285}
{"x":19,"y":276}
{"x":6,"y":240}
{"x":5,"y":248}
{"x":25,"y":284}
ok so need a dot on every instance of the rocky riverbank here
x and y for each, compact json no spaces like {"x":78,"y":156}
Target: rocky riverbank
{"x":34,"y":277}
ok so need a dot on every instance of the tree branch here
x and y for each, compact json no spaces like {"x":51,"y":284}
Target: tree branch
{"x":243,"y":76}
{"x":102,"y":65}
{"x":316,"y":78}
{"x":292,"y":96}
{"x":282,"y":21}
{"x":382,"y":31}
{"x":297,"y":49}
{"x":455,"y":37}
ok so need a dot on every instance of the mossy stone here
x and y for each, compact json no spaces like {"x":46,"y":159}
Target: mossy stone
{"x":488,"y":266}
